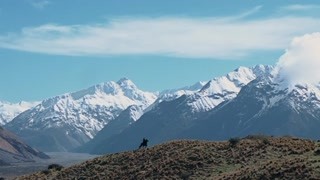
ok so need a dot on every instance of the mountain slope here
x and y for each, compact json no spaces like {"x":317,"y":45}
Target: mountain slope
{"x":8,"y":111}
{"x":116,"y":126}
{"x":225,"y":88}
{"x":166,"y":120}
{"x":133,"y":113}
{"x":172,"y":94}
{"x":255,"y":157}
{"x":13,"y":150}
{"x":65,"y":122}
{"x":264,"y":106}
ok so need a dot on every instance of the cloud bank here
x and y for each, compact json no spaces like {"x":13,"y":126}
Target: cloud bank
{"x":216,"y":37}
{"x":301,"y":62}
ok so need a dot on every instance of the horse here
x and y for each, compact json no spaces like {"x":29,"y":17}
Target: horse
{"x":144,"y":143}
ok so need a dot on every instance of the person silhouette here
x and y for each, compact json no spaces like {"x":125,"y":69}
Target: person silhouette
{"x":144,"y":143}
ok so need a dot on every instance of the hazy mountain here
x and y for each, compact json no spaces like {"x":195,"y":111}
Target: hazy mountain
{"x":13,"y":150}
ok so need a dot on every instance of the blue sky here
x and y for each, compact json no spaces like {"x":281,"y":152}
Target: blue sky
{"x":49,"y":47}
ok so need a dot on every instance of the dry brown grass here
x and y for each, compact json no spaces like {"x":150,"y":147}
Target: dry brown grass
{"x":255,"y":157}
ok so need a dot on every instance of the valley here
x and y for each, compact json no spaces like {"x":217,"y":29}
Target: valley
{"x":65,"y":159}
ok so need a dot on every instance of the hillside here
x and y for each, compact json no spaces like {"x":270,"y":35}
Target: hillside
{"x":257,"y":157}
{"x":13,"y":150}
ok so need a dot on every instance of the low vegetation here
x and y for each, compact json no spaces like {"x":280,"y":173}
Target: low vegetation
{"x":57,"y":167}
{"x":253,"y":157}
{"x":234,"y":141}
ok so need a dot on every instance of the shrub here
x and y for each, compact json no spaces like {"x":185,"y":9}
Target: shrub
{"x":317,"y":152}
{"x":261,"y":137}
{"x":266,"y":141}
{"x":46,"y":172}
{"x":234,"y":141}
{"x":57,"y":167}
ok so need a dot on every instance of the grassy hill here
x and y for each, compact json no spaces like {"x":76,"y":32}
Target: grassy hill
{"x":257,"y":157}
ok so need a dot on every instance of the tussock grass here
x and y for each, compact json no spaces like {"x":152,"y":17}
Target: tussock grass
{"x":253,"y":157}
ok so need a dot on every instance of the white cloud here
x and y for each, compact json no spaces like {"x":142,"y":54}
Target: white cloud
{"x":39,"y":4}
{"x":216,"y":37}
{"x":301,"y":61}
{"x":301,"y":7}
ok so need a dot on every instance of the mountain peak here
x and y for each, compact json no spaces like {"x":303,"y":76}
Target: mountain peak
{"x":126,"y":83}
{"x":123,"y":80}
{"x":241,"y":68}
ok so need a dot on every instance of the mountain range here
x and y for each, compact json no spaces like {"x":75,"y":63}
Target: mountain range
{"x":67,"y":121}
{"x":115,"y":116}
{"x":166,"y":120}
{"x":264,"y":106}
{"x":267,"y":104}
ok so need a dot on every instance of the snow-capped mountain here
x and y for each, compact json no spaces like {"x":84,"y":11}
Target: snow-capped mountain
{"x":171,"y":94}
{"x":167,"y":119}
{"x":224,"y":88}
{"x":8,"y":110}
{"x":116,"y":126}
{"x":69,"y":120}
{"x":205,"y":95}
{"x":266,"y":106}
{"x":133,"y":113}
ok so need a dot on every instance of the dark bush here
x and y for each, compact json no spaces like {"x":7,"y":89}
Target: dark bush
{"x":46,"y":172}
{"x":234,"y":141}
{"x":317,"y":152}
{"x":266,"y":141}
{"x":57,"y":167}
{"x":261,"y":137}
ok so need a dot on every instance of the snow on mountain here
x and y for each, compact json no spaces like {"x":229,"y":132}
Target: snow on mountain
{"x":171,"y":94}
{"x":225,"y":88}
{"x":296,"y":94}
{"x":205,"y":95}
{"x":79,"y":115}
{"x":264,"y":106}
{"x":116,"y":126}
{"x":168,"y":119}
{"x":135,"y":112}
{"x":8,"y":110}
